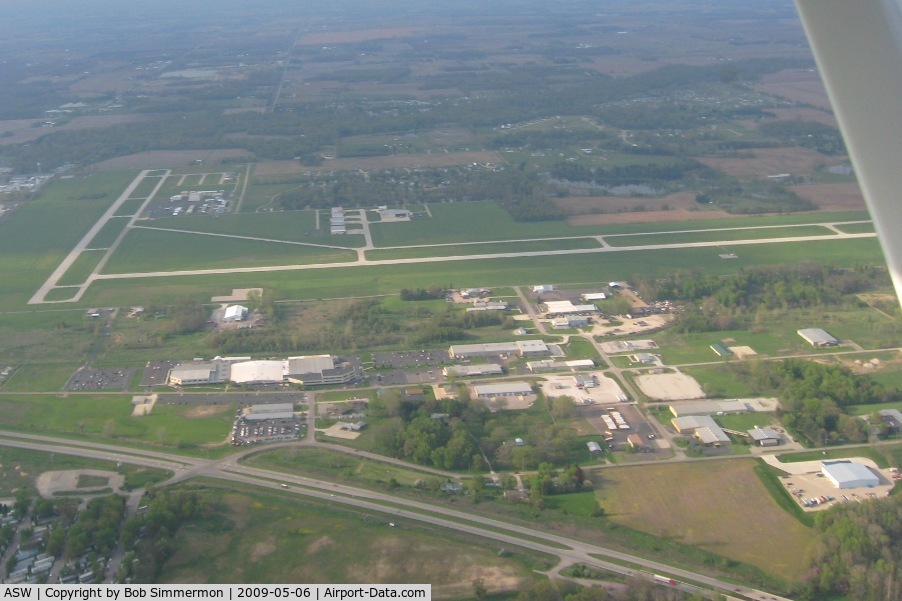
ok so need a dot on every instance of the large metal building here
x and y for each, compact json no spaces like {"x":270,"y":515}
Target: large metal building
{"x":846,"y":474}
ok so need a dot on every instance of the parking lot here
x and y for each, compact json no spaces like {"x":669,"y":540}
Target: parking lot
{"x":262,"y":431}
{"x":101,"y":379}
{"x":156,"y":373}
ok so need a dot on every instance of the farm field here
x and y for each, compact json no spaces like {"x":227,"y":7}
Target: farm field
{"x":738,"y":518}
{"x":247,"y":537}
{"x":150,"y":250}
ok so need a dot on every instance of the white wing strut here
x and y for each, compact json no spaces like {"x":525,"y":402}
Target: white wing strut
{"x":858,"y":48}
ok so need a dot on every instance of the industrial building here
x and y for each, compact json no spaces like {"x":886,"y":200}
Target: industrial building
{"x":818,"y":337}
{"x":543,"y":288}
{"x":845,"y":474}
{"x":523,"y":348}
{"x":765,"y":437}
{"x":594,"y":447}
{"x":464,"y":371}
{"x":707,"y":407}
{"x":198,"y":372}
{"x":487,"y":391}
{"x":703,"y":427}
{"x":562,"y":308}
{"x":235,"y":313}
{"x":593,"y":296}
{"x":570,"y":321}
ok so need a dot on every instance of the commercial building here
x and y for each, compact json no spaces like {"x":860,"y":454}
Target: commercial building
{"x":570,"y":321}
{"x":818,"y":337}
{"x":487,"y":391}
{"x":846,"y":474}
{"x":235,"y":313}
{"x":702,"y":427}
{"x":594,"y":296}
{"x":273,"y":411}
{"x":198,"y":372}
{"x":543,"y":288}
{"x":315,"y":370}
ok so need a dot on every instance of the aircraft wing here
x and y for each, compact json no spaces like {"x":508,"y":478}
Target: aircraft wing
{"x":858,"y":48}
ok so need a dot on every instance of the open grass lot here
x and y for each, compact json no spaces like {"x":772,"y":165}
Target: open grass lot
{"x":40,"y":233}
{"x":129,"y":207}
{"x":20,"y":467}
{"x":737,"y":518}
{"x":745,"y":421}
{"x":43,"y":337}
{"x":83,"y":266}
{"x":149,"y":250}
{"x":494,"y":273}
{"x":39,"y":378}
{"x":717,"y":381}
{"x":336,"y":466}
{"x":107,"y":418}
{"x":291,"y":226}
{"x":146,"y":187}
{"x":856,"y":228}
{"x":717,"y":235}
{"x":108,"y":233}
{"x":479,"y":249}
{"x":273,"y":538}
{"x":881,"y":455}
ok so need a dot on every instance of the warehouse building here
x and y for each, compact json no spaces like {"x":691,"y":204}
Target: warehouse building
{"x":258,"y":372}
{"x":235,"y":313}
{"x":273,"y":411}
{"x":594,"y":296}
{"x":488,"y":391}
{"x":707,"y":407}
{"x":562,"y":308}
{"x":570,"y":321}
{"x":818,"y":337}
{"x":845,"y":474}
{"x":523,"y":348}
{"x":765,"y":437}
{"x":315,"y":370}
{"x":465,"y":371}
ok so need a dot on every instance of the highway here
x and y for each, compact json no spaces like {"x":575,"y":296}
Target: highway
{"x":567,"y":550}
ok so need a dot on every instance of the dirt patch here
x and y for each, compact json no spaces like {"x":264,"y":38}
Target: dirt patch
{"x":833,"y":197}
{"x":397,"y":161}
{"x":743,"y":351}
{"x":238,"y":294}
{"x":201,"y":411}
{"x":338,"y":431}
{"x":670,"y":387}
{"x":262,"y":549}
{"x":633,"y":326}
{"x":320,"y":543}
{"x":51,"y":483}
{"x":770,"y":161}
{"x":163,"y":159}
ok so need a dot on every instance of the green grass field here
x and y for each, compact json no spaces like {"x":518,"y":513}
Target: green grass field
{"x":276,"y":538}
{"x":40,"y":233}
{"x":494,"y":273}
{"x":83,"y":266}
{"x":718,"y":235}
{"x":717,"y":381}
{"x":722,"y":507}
{"x":108,"y":233}
{"x":290,"y":226}
{"x":129,"y":207}
{"x":856,"y":228}
{"x":150,"y":250}
{"x":480,"y":249}
{"x":107,"y":418}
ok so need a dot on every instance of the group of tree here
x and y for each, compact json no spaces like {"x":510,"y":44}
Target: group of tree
{"x":858,"y":552}
{"x":150,"y":537}
{"x":418,"y":294}
{"x":547,"y":480}
{"x":97,"y":528}
{"x":814,"y":397}
{"x":635,"y":589}
{"x":809,"y":134}
{"x":649,"y":173}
